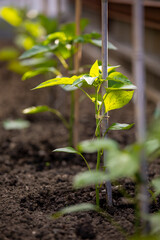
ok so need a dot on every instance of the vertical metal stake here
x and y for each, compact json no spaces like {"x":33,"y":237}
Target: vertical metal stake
{"x":139,"y":75}
{"x":104,"y":75}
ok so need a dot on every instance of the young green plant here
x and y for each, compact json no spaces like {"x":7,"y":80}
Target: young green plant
{"x":119,"y":92}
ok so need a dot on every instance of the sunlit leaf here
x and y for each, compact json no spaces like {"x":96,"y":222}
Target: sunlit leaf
{"x":34,"y":28}
{"x":89,"y":178}
{"x":94,"y":71}
{"x":24,"y":41}
{"x":11,"y":15}
{"x":15,"y":124}
{"x":58,"y":81}
{"x":33,"y":110}
{"x":67,"y":150}
{"x":56,"y":35}
{"x":117,"y":99}
{"x":82,"y":207}
{"x":89,"y":79}
{"x":91,"y":146}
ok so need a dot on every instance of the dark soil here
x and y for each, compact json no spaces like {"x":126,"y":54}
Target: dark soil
{"x":35,"y":183}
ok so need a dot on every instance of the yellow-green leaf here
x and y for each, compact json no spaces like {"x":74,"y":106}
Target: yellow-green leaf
{"x":58,"y":81}
{"x":11,"y":15}
{"x":94,"y":71}
{"x":117,"y":99}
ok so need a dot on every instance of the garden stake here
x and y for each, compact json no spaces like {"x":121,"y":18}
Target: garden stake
{"x":139,"y":72}
{"x":59,"y":11}
{"x":104,"y":76}
{"x":45,"y":7}
{"x":77,"y":58}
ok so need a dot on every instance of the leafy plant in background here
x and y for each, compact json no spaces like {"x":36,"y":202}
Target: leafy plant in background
{"x":118,"y":94}
{"x":29,"y":29}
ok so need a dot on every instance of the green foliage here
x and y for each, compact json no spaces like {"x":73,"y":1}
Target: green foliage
{"x":91,"y":146}
{"x":119,"y":126}
{"x":11,"y":15}
{"x":71,"y":150}
{"x":41,"y":70}
{"x":82,"y":207}
{"x":8,"y":53}
{"x":15,"y":124}
{"x":156,"y":185}
{"x":89,"y":178}
{"x":117,"y":99}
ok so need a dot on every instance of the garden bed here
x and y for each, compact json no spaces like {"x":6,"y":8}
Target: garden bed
{"x":35,"y":183}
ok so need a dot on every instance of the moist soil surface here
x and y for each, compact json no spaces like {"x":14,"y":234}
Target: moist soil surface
{"x":35,"y":182}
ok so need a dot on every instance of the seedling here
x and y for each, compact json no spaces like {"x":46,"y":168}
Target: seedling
{"x":118,"y":94}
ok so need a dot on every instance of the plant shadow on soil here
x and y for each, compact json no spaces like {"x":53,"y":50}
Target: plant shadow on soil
{"x":35,"y":183}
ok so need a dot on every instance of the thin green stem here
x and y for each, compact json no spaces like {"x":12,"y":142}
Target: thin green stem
{"x":85,"y":161}
{"x":58,"y":114}
{"x":71,"y":122}
{"x":86,"y":93}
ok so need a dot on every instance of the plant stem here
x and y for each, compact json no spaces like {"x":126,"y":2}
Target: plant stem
{"x":71,"y":122}
{"x":58,"y":114}
{"x":105,"y":84}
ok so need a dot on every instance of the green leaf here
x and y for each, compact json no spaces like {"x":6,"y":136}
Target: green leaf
{"x":118,"y":77}
{"x":94,"y":71}
{"x":155,"y":226}
{"x":98,"y":43}
{"x":110,"y":69}
{"x":91,"y":146}
{"x":8,"y":53}
{"x":38,"y":71}
{"x":117,"y":99}
{"x":44,"y":108}
{"x":156,"y":185}
{"x":89,"y":178}
{"x":111,"y":46}
{"x":37,"y":49}
{"x":67,"y":150}
{"x":15,"y":66}
{"x":121,"y":164}
{"x":33,"y":110}
{"x":82,"y":207}
{"x":71,"y":150}
{"x":11,"y":15}
{"x":58,"y":81}
{"x":120,"y":126}
{"x":15,"y":124}
{"x":151,"y":146}
{"x":69,"y":87}
{"x":56,"y":35}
